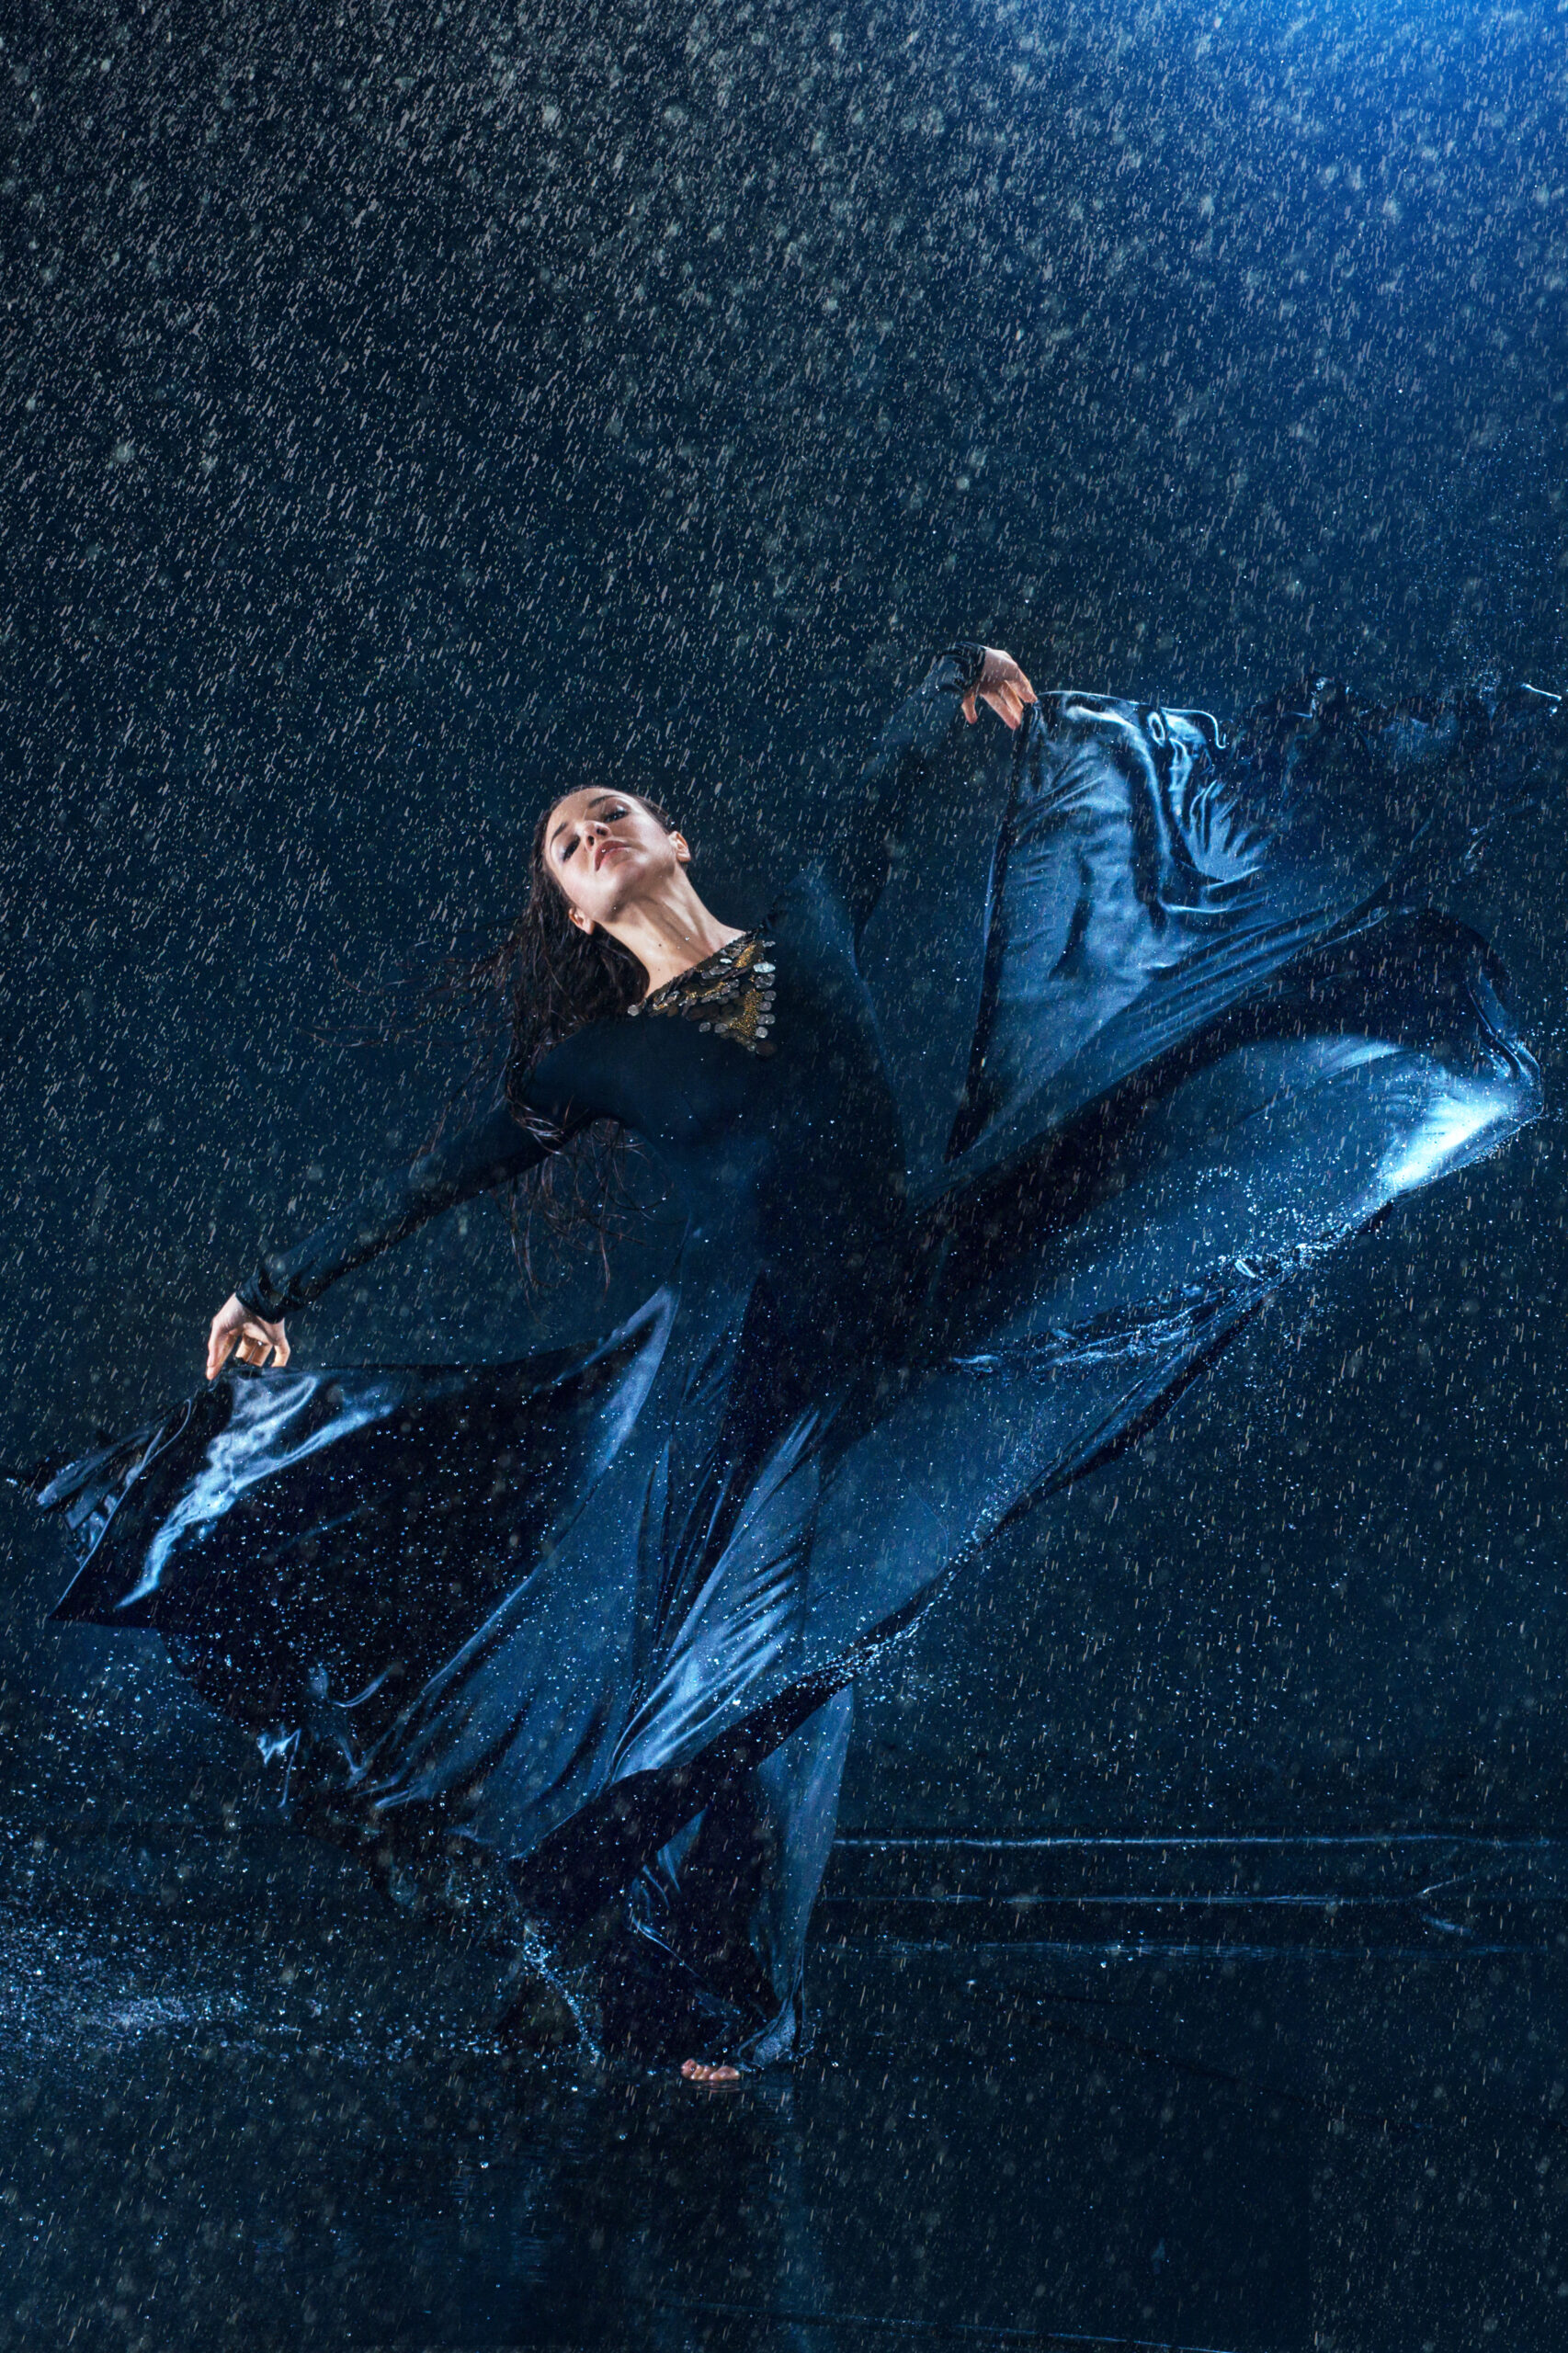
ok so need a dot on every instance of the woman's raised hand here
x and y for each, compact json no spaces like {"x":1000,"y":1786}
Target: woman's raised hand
{"x":234,"y":1327}
{"x":1003,"y":685}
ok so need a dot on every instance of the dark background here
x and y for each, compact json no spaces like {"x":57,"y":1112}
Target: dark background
{"x":407,"y":410}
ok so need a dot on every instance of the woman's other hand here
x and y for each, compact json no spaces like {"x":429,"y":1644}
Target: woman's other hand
{"x":1004,"y":686}
{"x":234,"y":1327}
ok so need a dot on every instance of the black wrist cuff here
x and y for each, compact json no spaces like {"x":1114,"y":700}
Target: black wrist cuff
{"x":259,"y":1296}
{"x":968,"y":659}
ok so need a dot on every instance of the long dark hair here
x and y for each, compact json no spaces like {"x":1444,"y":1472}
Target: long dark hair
{"x":545,"y":980}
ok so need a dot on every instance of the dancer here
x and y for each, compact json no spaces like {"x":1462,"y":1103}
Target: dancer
{"x":575,"y":1636}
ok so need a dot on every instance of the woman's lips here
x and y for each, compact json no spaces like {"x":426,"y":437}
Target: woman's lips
{"x":608,"y":850}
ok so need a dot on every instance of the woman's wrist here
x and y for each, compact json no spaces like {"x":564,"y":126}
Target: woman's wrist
{"x":969,"y":658}
{"x":260,"y":1297}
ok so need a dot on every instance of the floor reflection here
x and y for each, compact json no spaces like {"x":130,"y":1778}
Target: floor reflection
{"x":243,"y":2106}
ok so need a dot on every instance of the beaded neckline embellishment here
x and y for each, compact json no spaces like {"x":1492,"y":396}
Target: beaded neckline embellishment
{"x":730,"y":993}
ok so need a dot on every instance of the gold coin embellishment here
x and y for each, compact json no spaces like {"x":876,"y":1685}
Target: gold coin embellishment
{"x":729,"y":995}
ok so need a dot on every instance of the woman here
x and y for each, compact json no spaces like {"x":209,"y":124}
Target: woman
{"x":579,"y":1632}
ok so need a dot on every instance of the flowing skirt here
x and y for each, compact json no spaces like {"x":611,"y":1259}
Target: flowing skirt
{"x":1219,"y":1029}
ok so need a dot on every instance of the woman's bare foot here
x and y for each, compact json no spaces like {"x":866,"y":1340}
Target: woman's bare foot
{"x":697,"y":2071}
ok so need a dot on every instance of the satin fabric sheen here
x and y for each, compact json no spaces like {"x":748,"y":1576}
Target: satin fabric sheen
{"x":579,"y":1631}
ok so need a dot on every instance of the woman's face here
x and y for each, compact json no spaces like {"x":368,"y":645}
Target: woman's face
{"x":605,"y":852}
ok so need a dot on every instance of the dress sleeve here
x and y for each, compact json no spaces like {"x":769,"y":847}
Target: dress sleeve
{"x":860,"y":850}
{"x":486,"y":1153}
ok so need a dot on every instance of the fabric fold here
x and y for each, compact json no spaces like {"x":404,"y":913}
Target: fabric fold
{"x":586,"y":1615}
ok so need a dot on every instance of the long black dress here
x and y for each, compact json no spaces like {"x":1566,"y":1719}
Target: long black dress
{"x":580,"y":1630}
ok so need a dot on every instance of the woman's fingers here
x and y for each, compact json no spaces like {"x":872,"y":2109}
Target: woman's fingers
{"x":260,"y":1341}
{"x":1001,"y":685}
{"x":232,"y":1330}
{"x":1001,"y":699}
{"x":223,"y":1331}
{"x":1006,"y":702}
{"x":699,"y":2071}
{"x":1000,"y":670}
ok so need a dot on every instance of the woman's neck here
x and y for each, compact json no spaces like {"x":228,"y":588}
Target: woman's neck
{"x":670,"y":931}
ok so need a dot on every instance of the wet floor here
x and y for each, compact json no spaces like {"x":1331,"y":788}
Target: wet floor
{"x":245,"y":2104}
